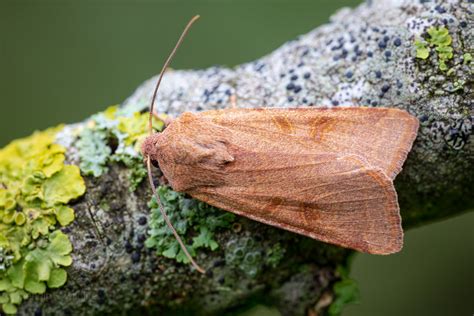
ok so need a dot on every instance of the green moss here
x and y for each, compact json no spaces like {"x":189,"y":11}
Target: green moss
{"x":124,"y":131}
{"x":35,"y":187}
{"x":195,"y":221}
{"x":345,"y":292}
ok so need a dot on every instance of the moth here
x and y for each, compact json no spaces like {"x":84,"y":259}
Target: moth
{"x":326,"y":173}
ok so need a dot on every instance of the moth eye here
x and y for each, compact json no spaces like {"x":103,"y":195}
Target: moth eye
{"x":155,"y":163}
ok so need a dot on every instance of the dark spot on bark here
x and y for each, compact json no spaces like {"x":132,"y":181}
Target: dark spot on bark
{"x":136,"y":257}
{"x":128,"y":247}
{"x":385,"y":88}
{"x":440,"y":9}
{"x":141,"y":238}
{"x":218,"y":263}
{"x":142,"y":220}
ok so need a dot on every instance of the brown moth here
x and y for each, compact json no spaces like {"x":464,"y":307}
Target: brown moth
{"x":326,"y":173}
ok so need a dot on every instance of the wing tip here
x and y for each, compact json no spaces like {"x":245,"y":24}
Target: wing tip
{"x":388,"y":246}
{"x":412,"y":125}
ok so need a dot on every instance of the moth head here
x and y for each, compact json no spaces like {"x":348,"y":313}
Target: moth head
{"x":191,"y":152}
{"x":149,"y":149}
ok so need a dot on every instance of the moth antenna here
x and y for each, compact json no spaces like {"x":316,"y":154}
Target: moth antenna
{"x":167,"y":220}
{"x":163,"y":70}
{"x":148,"y":159}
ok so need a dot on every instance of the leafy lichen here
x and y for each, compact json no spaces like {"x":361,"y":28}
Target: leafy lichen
{"x":422,"y":51}
{"x":467,"y":58}
{"x":121,"y":130}
{"x":445,"y":51}
{"x":94,"y":151}
{"x":35,"y":187}
{"x":195,"y":221}
{"x":345,"y":291}
{"x":439,"y":40}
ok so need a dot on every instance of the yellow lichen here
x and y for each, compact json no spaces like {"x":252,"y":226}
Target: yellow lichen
{"x":35,"y":187}
{"x":136,"y":128}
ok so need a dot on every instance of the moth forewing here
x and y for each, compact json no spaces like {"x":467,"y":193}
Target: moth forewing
{"x":383,"y":136}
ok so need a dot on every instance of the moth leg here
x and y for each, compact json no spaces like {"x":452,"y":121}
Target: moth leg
{"x":233,"y":101}
{"x":165,"y":119}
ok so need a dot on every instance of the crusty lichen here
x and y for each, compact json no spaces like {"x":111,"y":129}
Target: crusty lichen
{"x":35,"y":187}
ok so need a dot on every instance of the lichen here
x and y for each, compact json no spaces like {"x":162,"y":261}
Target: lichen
{"x":345,"y":291}
{"x":35,"y":188}
{"x":422,"y":51}
{"x":274,"y":255}
{"x":195,"y":221}
{"x":467,"y":58}
{"x":251,"y":256}
{"x":94,"y":151}
{"x":438,"y":40}
{"x":115,"y":136}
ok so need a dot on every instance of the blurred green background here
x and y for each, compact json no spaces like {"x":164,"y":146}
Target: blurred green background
{"x":61,"y":61}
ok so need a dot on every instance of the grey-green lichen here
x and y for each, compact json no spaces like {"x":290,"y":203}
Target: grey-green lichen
{"x":197,"y":222}
{"x":114,"y":136}
{"x":94,"y":151}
